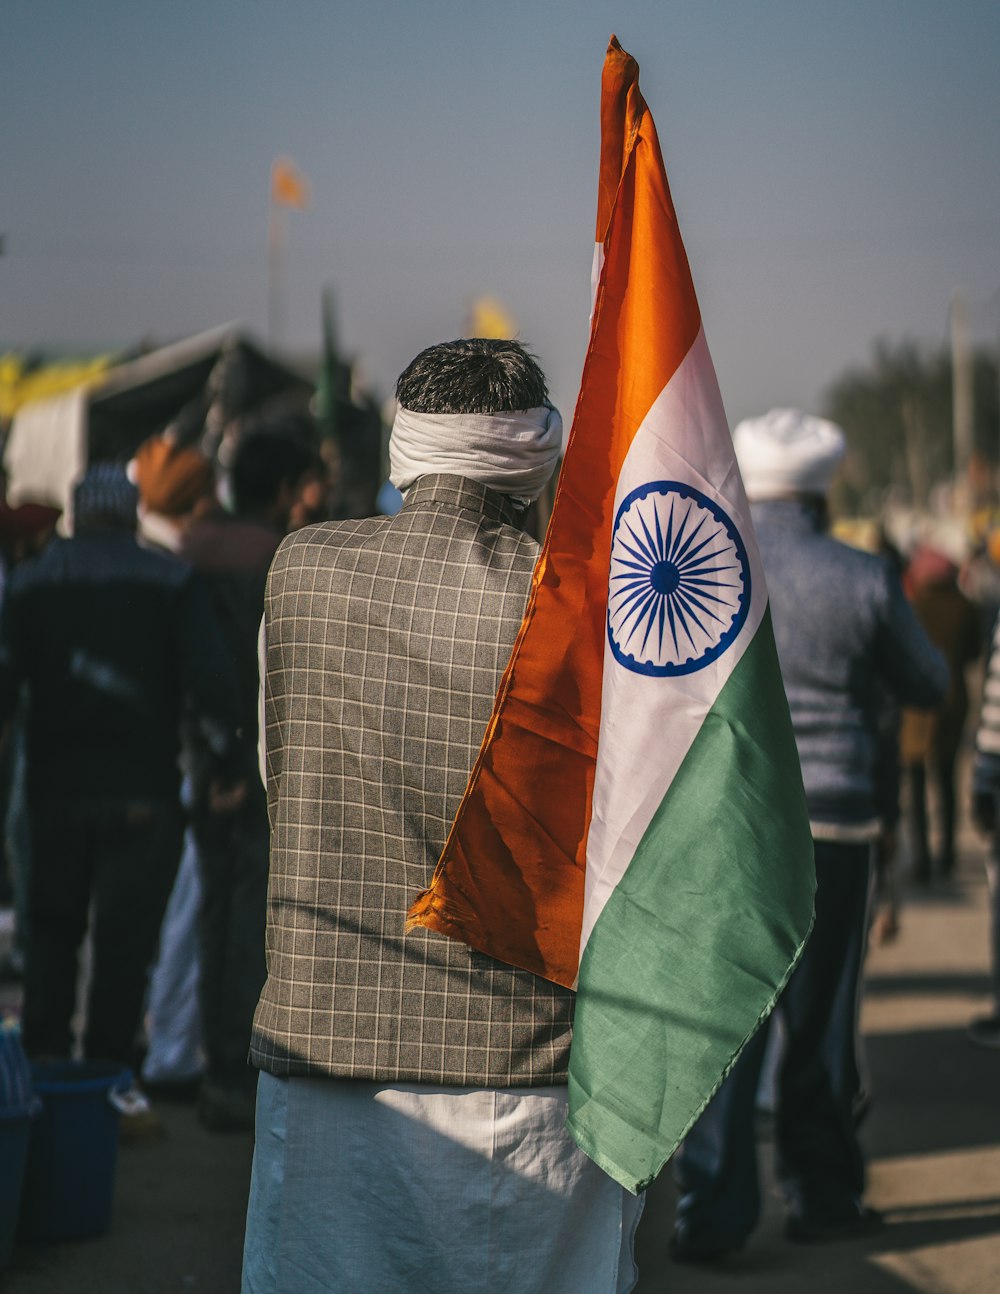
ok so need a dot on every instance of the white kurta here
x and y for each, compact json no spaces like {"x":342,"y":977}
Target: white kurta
{"x":429,"y":1190}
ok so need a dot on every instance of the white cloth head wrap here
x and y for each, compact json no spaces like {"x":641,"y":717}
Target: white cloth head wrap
{"x":787,"y":452}
{"x":513,"y":453}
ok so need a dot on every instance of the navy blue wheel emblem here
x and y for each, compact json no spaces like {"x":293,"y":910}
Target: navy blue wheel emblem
{"x":680,"y":580}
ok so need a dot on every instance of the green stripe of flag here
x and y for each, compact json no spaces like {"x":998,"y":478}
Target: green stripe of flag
{"x":712,"y":912}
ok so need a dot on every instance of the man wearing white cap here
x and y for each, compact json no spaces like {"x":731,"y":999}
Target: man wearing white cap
{"x":843,"y":628}
{"x":412,"y":1096}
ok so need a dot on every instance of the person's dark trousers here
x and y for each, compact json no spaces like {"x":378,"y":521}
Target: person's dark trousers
{"x":716,"y":1165}
{"x":943,"y":763}
{"x":819,"y":1160}
{"x":993,"y":881}
{"x":233,"y":857}
{"x":118,"y":857}
{"x":916,"y":818}
{"x":16,"y":833}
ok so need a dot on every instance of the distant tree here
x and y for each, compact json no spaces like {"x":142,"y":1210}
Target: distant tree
{"x":897,"y":415}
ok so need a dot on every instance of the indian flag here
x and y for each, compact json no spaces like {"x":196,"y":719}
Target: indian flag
{"x":635,"y":825}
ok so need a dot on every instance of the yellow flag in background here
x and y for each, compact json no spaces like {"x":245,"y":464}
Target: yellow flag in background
{"x":289,"y":187}
{"x":488,"y":318}
{"x":20,"y":386}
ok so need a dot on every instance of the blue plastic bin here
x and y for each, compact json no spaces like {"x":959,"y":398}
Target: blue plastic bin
{"x":73,"y":1150}
{"x":15,"y":1128}
{"x":17,"y":1106}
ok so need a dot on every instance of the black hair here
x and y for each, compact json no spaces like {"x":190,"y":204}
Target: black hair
{"x":265,"y":461}
{"x":472,"y":375}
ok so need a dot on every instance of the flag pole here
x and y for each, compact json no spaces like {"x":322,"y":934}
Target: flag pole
{"x":289,"y":188}
{"x":275,"y":254}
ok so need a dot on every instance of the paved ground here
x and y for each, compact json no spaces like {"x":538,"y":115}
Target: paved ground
{"x":933,"y":1137}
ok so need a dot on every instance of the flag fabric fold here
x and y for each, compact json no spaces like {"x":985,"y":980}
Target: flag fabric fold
{"x":635,"y":824}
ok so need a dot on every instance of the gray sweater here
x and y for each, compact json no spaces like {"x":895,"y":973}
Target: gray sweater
{"x":843,"y":627}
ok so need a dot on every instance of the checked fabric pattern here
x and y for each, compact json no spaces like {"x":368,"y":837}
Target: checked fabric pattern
{"x":386,"y":640}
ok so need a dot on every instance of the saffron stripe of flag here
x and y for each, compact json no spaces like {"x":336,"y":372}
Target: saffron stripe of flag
{"x":635,"y":824}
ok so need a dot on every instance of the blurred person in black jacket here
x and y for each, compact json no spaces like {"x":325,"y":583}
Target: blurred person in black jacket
{"x":109,"y":640}
{"x":24,"y":532}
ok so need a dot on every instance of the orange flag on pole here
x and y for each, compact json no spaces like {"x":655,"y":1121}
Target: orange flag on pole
{"x":289,"y":187}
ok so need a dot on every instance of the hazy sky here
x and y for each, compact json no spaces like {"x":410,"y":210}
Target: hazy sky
{"x":835,"y":165}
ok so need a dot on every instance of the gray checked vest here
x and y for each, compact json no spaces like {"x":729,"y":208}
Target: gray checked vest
{"x":386,"y":639}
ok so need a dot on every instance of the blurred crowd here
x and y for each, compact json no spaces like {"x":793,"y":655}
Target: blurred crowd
{"x":135,"y":821}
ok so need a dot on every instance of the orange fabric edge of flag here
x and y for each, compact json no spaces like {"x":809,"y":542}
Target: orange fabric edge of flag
{"x":622,"y":108}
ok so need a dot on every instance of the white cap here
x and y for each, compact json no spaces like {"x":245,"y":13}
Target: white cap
{"x":787,"y":452}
